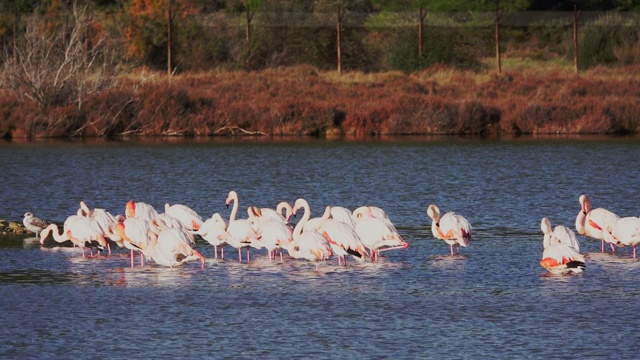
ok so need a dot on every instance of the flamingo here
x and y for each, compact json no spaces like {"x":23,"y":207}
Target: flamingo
{"x":343,"y":239}
{"x":369,"y":212}
{"x":308,"y":244}
{"x":625,"y":232}
{"x":342,"y":214}
{"x":451,"y":227}
{"x":81,"y":231}
{"x":172,"y":246}
{"x":136,"y":235}
{"x":140,"y":210}
{"x":186,"y":215}
{"x":559,"y":255}
{"x":33,"y":223}
{"x":241,"y":232}
{"x":106,"y":221}
{"x":594,"y":222}
{"x":172,"y":222}
{"x":212,"y":231}
{"x":378,"y":236}
{"x":560,"y":234}
{"x":274,"y":235}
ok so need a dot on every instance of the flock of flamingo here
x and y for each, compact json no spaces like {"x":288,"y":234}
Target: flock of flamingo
{"x":168,"y":238}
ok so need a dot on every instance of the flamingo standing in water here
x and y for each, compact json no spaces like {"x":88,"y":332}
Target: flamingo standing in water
{"x":595,"y":222}
{"x":136,"y":235}
{"x":81,"y":231}
{"x":559,"y":255}
{"x":343,"y":239}
{"x":308,"y":244}
{"x":213,"y":231}
{"x":378,"y":236}
{"x":186,"y":215}
{"x":106,"y":221}
{"x":171,"y":247}
{"x":625,"y":232}
{"x":241,"y":232}
{"x":454,"y":229}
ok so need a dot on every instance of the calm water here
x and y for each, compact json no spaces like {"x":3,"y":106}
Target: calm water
{"x":492,"y":301}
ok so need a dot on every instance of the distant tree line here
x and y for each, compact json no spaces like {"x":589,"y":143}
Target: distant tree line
{"x":365,"y":35}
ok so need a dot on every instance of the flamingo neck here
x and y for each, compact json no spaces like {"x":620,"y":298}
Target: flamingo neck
{"x":298,"y":229}
{"x":234,"y":210}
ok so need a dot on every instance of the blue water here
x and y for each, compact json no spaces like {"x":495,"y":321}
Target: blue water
{"x":493,"y":300}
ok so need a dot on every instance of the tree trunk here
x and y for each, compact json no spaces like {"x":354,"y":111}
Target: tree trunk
{"x":422,"y":16}
{"x":169,"y":35}
{"x":576,"y":15}
{"x":339,"y":40}
{"x":498,"y":57}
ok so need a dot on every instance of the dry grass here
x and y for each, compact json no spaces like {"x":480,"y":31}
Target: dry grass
{"x":527,"y":97}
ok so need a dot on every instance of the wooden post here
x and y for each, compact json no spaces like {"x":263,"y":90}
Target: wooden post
{"x":498,"y":57}
{"x":576,"y":15}
{"x":422,"y":15}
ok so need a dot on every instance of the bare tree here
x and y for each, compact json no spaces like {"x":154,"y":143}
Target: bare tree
{"x":53,"y":66}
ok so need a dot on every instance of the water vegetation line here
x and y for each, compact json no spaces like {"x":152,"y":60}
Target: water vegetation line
{"x":303,"y":100}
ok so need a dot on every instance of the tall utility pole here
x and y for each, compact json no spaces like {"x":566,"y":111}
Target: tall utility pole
{"x":576,"y":16}
{"x":341,"y":12}
{"x":498,"y":57}
{"x":169,"y":36}
{"x":422,"y":15}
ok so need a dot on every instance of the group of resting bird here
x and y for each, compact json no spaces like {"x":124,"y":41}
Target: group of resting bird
{"x":561,"y":253}
{"x":168,"y":238}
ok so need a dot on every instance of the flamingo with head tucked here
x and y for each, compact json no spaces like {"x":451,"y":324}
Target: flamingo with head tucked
{"x":140,"y":210}
{"x":559,"y":255}
{"x":343,"y":240}
{"x":595,"y":222}
{"x":625,"y":232}
{"x":213,"y":231}
{"x":186,"y":215}
{"x":454,"y":229}
{"x":172,"y":246}
{"x":136,"y":235}
{"x":560,"y":234}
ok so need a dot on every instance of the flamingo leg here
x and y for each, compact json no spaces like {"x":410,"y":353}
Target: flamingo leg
{"x":141,"y":259}
{"x":132,"y":263}
{"x":240,"y":254}
{"x":613,"y":249}
{"x":634,"y":252}
{"x":451,"y":247}
{"x":248,"y":255}
{"x":215,"y":251}
{"x":221,"y":252}
{"x":602,"y":245}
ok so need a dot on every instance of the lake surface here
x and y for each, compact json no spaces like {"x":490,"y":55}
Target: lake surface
{"x":492,"y":301}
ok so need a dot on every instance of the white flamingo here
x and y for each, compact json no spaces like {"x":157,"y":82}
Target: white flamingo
{"x":106,"y":221}
{"x":454,"y":229}
{"x":136,"y":235}
{"x":625,"y":232}
{"x":241,"y":233}
{"x":140,"y":210}
{"x":308,"y":244}
{"x":186,"y":215}
{"x":560,"y":234}
{"x":559,"y":255}
{"x":343,"y":239}
{"x":379,"y":235}
{"x":595,"y":222}
{"x":81,"y":231}
{"x":172,"y":247}
{"x":213,"y":231}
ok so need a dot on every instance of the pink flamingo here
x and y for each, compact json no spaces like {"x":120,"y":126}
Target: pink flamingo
{"x":595,"y":222}
{"x":454,"y":229}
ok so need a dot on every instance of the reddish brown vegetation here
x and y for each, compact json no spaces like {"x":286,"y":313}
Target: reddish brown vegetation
{"x":304,"y":101}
